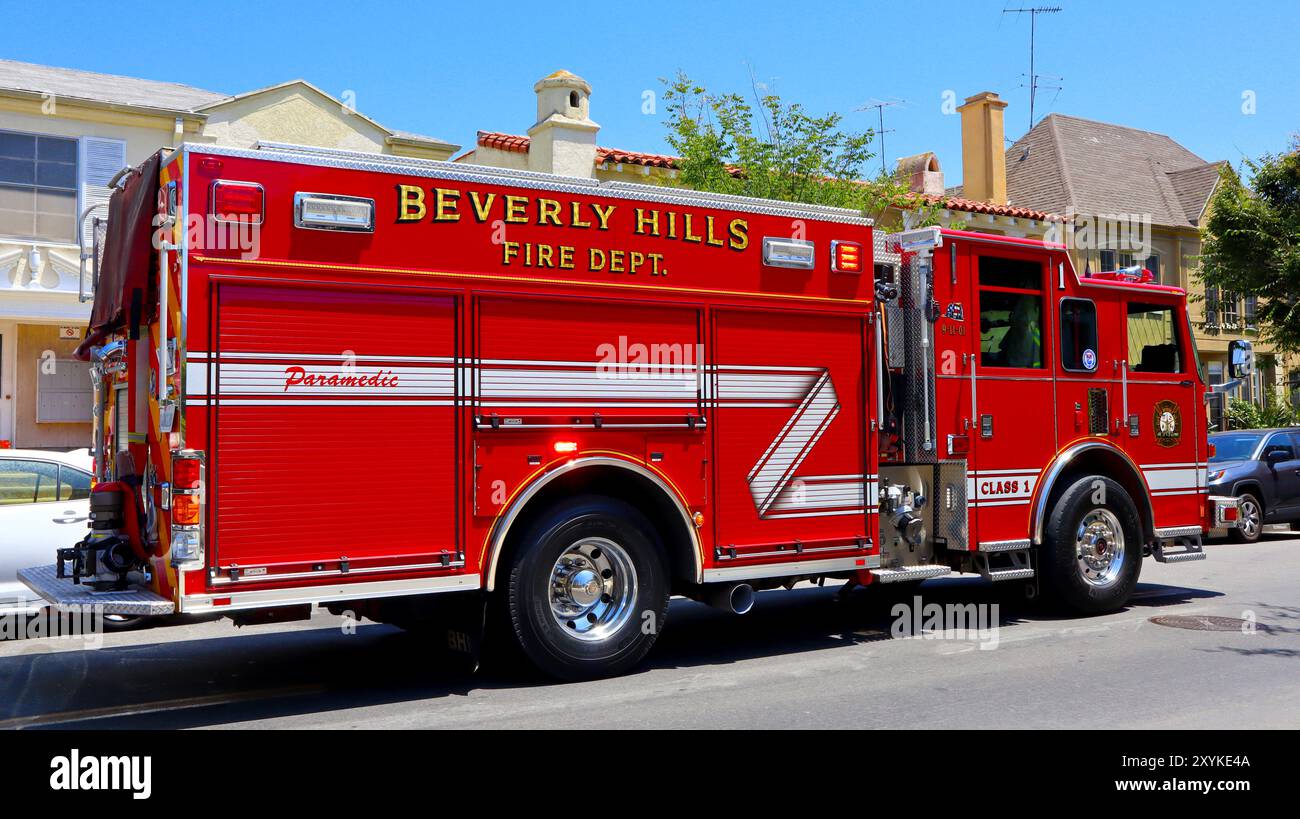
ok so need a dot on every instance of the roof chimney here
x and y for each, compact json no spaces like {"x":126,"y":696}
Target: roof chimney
{"x":983,"y":154}
{"x":921,"y":173}
{"x":563,"y":140}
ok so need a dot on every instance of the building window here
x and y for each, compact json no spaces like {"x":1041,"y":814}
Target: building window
{"x":1211,"y":307}
{"x":1153,"y":264}
{"x":1153,"y":343}
{"x":1011,"y":313}
{"x":38,"y":187}
{"x":1249,"y":306}
{"x":1229,"y":311}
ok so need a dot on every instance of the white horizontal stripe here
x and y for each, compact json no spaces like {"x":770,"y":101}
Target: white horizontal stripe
{"x":338,"y":357}
{"x":329,"y":402}
{"x":1171,"y":478}
{"x":593,"y":404}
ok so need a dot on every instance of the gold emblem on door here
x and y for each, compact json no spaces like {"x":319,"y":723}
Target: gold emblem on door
{"x":1168,"y":423}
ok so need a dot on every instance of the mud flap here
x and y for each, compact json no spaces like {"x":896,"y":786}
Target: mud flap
{"x":462,"y":624}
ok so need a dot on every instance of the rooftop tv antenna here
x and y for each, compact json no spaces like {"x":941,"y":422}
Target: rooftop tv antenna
{"x":880,"y":106}
{"x":1033,"y":13}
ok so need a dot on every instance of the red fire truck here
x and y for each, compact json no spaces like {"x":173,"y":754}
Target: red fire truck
{"x":422,"y":392}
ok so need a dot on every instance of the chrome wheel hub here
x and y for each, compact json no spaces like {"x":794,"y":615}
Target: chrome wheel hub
{"x":1249,"y":518}
{"x":1099,"y":545}
{"x":592,"y":588}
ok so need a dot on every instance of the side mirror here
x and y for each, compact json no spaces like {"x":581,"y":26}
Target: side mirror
{"x":1277,"y":454}
{"x":1241,"y":359}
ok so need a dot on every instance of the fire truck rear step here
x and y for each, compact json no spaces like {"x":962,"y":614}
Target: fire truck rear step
{"x":62,"y":594}
{"x":1188,"y":548}
{"x":1004,"y":564}
{"x":907,"y":573}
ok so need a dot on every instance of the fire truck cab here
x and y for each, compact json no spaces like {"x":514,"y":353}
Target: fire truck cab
{"x":420,"y":391}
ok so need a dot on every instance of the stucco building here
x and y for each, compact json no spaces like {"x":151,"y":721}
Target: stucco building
{"x":64,"y":135}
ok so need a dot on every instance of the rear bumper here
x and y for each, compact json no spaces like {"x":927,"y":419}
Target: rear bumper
{"x":1225,"y":512}
{"x":62,"y":594}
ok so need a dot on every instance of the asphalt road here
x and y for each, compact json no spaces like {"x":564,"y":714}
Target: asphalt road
{"x":802,"y":658}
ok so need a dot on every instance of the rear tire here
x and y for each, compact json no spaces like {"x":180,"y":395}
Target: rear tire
{"x":124,"y":622}
{"x":1091,"y":553}
{"x":1252,"y":520}
{"x":588,"y":590}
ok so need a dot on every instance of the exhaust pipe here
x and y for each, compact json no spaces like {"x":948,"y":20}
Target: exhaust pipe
{"x":736,"y":598}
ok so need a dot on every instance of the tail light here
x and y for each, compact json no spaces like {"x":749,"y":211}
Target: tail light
{"x":238,"y":202}
{"x":187,"y":491}
{"x":185,"y":510}
{"x":186,"y":473}
{"x":1211,"y":451}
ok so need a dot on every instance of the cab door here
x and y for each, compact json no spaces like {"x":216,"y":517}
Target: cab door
{"x":1160,"y":406}
{"x":1013,"y":428}
{"x":1088,"y":368}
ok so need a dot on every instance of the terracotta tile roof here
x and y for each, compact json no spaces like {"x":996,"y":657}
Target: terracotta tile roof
{"x":604,"y":155}
{"x":972,"y":206}
{"x":517,"y":144}
{"x":503,"y":142}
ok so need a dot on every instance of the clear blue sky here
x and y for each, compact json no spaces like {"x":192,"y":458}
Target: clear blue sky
{"x":449,"y":69}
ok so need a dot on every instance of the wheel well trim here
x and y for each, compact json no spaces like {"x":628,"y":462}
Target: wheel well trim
{"x":1255,"y":488}
{"x":1059,"y":465}
{"x":505,"y":522}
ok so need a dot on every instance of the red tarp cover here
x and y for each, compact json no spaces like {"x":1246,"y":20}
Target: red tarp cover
{"x":125,"y":271}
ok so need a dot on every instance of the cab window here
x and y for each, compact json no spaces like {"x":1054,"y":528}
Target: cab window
{"x":1011,"y":313}
{"x":1153,"y":342}
{"x":27,"y":481}
{"x":1078,"y":335}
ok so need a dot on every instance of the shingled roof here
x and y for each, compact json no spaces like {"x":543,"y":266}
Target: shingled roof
{"x":133,"y":92}
{"x":109,"y":89}
{"x":1070,"y":164}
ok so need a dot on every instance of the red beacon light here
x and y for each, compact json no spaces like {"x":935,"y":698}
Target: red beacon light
{"x":846,"y":257}
{"x":238,"y":202}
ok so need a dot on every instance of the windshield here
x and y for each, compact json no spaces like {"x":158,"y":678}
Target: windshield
{"x":1235,"y":446}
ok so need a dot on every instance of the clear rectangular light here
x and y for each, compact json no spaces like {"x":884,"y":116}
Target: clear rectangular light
{"x":323,"y":211}
{"x":796,"y":253}
{"x":186,"y":546}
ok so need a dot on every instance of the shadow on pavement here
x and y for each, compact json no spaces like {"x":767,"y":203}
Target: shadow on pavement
{"x":215,"y":681}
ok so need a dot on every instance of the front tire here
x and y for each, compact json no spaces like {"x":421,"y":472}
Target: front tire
{"x":588,"y":590}
{"x":1252,"y":520}
{"x":1091,"y":553}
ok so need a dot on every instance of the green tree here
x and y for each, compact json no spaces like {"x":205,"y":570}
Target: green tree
{"x":1252,"y":243}
{"x":776,"y":150}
